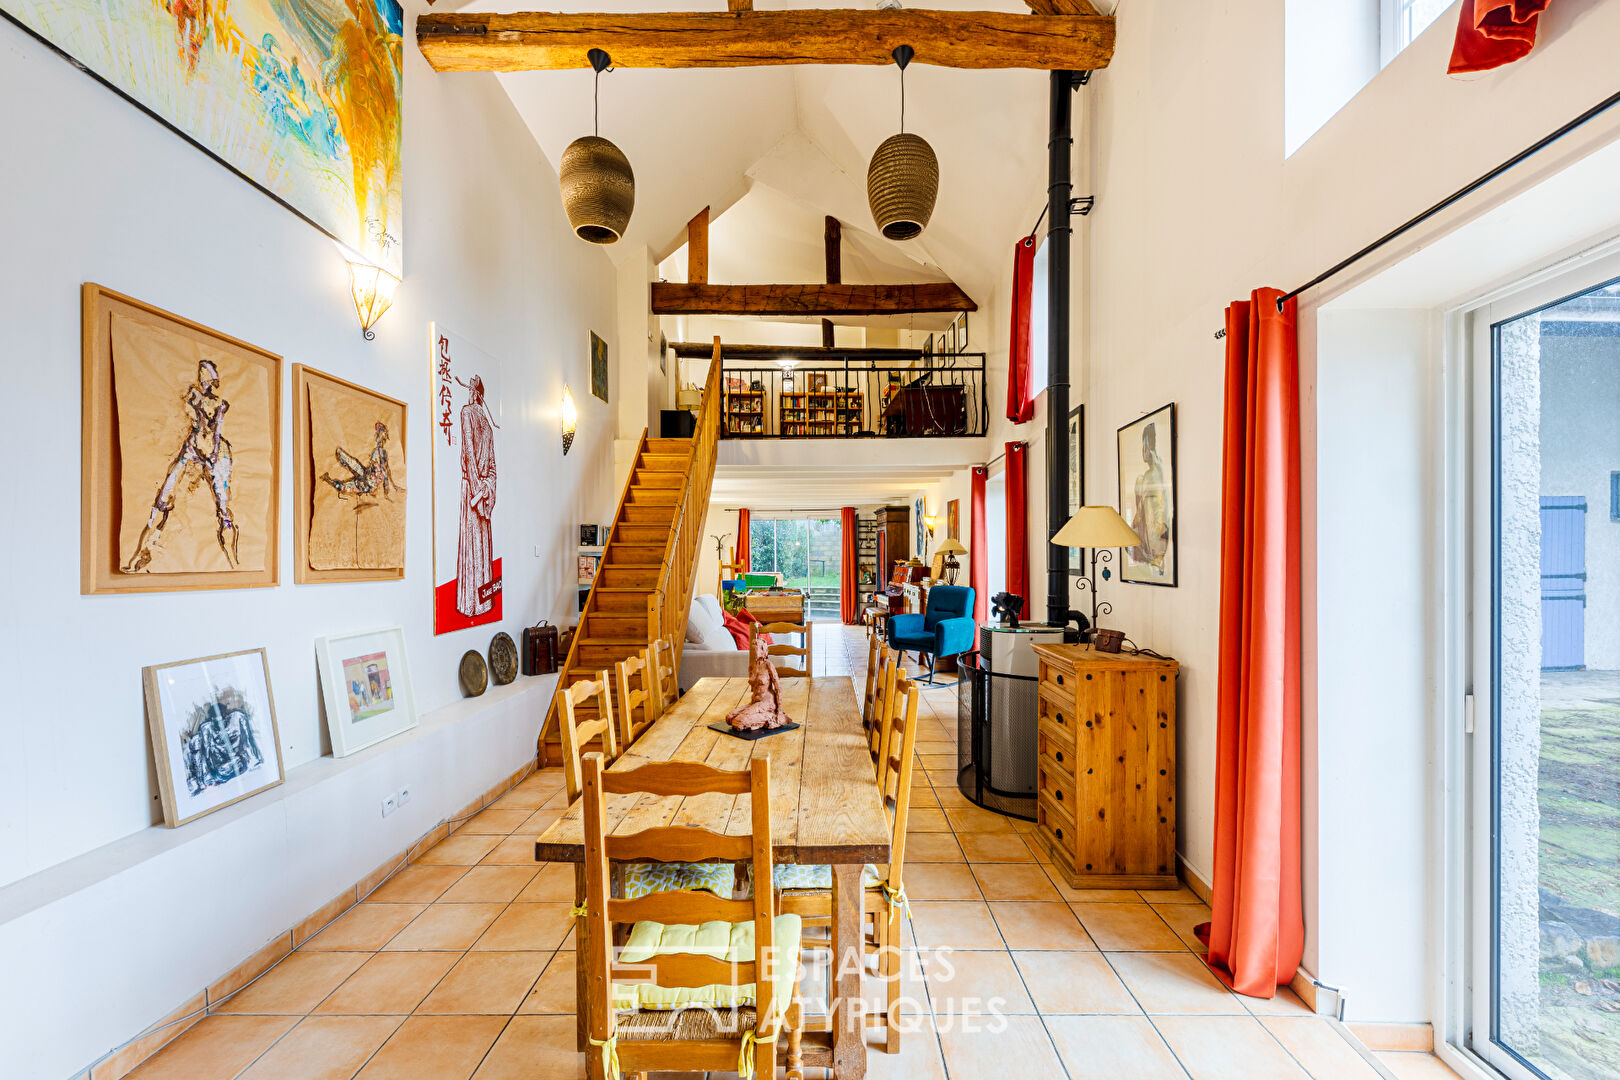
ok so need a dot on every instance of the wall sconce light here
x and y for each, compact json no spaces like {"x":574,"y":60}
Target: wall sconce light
{"x":570,"y":419}
{"x":373,"y":293}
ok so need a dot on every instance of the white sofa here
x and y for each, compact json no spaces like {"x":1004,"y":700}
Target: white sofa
{"x":710,"y":649}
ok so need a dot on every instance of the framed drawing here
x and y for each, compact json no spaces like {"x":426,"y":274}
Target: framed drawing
{"x":366,"y":687}
{"x":214,"y":735}
{"x":1147,"y":496}
{"x":180,"y":469}
{"x":348,"y":481}
{"x":599,"y":367}
{"x":466,"y":438}
{"x":1077,"y":474}
{"x":953,"y":519}
{"x":920,"y":526}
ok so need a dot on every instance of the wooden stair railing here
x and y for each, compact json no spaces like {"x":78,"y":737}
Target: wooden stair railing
{"x":643,"y":588}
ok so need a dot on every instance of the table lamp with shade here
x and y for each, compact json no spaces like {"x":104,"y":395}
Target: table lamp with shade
{"x":951,"y":548}
{"x":1099,"y":529}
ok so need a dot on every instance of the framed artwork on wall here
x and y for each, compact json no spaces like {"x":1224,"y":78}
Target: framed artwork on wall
{"x":1147,"y":496}
{"x":301,"y":99}
{"x":180,"y":469}
{"x":214,"y":736}
{"x":467,"y":582}
{"x":366,"y":687}
{"x":953,"y":519}
{"x":348,"y":481}
{"x":1077,"y":473}
{"x":920,"y":526}
{"x":599,"y":367}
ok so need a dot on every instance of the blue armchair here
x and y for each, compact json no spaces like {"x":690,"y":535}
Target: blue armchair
{"x":945,"y":629}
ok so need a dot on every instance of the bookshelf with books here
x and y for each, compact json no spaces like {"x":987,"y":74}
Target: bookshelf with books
{"x":745,"y":412}
{"x":819,"y":412}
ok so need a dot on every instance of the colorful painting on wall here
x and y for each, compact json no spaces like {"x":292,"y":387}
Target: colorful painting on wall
{"x":366,"y":688}
{"x":466,"y":430}
{"x":1147,"y":496}
{"x":300,"y":97}
{"x":214,"y":733}
{"x":599,"y":368}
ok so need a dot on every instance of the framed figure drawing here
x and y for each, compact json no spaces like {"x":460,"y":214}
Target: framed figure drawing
{"x":599,"y":367}
{"x":180,"y":453}
{"x":348,"y":481}
{"x":366,"y":687}
{"x":1147,"y":496}
{"x":466,"y":446}
{"x":214,"y":736}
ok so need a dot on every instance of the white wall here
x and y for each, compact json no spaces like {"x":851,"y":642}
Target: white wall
{"x":94,"y":190}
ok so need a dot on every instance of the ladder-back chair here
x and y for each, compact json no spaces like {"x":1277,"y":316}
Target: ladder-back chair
{"x":636,"y":690}
{"x":803,"y":629}
{"x":576,"y":733}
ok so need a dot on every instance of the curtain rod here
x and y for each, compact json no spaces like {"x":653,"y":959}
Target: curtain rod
{"x":1452,"y":199}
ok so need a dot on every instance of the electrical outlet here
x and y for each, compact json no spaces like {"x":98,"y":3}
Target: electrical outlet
{"x":404,"y":796}
{"x":389,"y":805}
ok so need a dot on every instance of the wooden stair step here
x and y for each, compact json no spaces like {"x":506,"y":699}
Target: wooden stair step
{"x":664,"y":463}
{"x":651,"y":535}
{"x":669,"y":446}
{"x":635,"y":554}
{"x":651,"y":478}
{"x":655,"y":496}
{"x":643,"y":578}
{"x":647,"y":514}
{"x":596,"y":653}
{"x":615,"y":600}
{"x":612,"y":626}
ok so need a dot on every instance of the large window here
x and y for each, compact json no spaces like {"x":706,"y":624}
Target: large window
{"x":1404,"y":20}
{"x":807,"y":552}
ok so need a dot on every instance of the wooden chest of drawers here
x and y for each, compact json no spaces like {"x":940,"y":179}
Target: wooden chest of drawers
{"x":778,"y":607}
{"x":1106,"y":773}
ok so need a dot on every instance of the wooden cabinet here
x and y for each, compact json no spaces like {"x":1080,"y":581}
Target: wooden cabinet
{"x":1106,"y":767}
{"x":775,"y":607}
{"x":893,"y":538}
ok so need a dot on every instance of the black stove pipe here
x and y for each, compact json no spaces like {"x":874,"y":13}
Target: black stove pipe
{"x":1059,"y":193}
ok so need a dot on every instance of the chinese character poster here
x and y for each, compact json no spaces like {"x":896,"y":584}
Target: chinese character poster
{"x":466,"y":444}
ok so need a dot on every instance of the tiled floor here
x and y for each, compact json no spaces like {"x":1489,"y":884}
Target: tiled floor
{"x":462,"y":966}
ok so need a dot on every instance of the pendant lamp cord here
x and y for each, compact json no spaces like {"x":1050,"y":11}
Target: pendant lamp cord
{"x":596,"y":106}
{"x":902,"y":101}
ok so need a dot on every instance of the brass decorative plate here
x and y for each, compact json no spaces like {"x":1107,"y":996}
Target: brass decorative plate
{"x":503,"y":658}
{"x":474,"y":673}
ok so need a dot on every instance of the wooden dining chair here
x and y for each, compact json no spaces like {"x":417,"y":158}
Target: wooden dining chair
{"x":701,"y":982}
{"x":776,"y":649}
{"x":577,"y":733}
{"x":807,"y":890}
{"x":636,"y":690}
{"x":888,"y":674}
{"x":874,"y":658}
{"x":666,"y":676}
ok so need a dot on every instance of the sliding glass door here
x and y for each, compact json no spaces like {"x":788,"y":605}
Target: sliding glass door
{"x":808,"y":552}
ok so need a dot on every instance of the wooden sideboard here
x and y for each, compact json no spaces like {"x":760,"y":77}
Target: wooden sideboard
{"x":775,"y":607}
{"x":1106,"y":772}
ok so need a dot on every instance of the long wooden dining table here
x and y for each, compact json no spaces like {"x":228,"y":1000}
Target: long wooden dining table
{"x":826,"y":808}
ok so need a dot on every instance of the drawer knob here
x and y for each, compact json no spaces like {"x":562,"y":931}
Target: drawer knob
{"x":1059,"y":793}
{"x":1060,"y":680}
{"x":1058,"y":833}
{"x":1059,"y":717}
{"x":1088,"y":678}
{"x":1059,"y":757}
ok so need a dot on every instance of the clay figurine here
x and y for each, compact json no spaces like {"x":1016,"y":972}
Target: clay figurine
{"x":764,"y":708}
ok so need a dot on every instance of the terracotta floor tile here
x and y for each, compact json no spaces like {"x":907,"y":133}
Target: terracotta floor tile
{"x":922,"y":796}
{"x":951,"y":798}
{"x":926,"y":847}
{"x":1182,"y":918}
{"x":389,"y":983}
{"x":1397,"y":1038}
{"x":940,"y":881}
{"x":554,"y":882}
{"x":924,"y":819}
{"x":462,"y":849}
{"x":520,"y":800}
{"x":919,"y":1057}
{"x":969,"y":983}
{"x":1090,"y":896}
{"x":416,"y":885}
{"x":1015,"y":881}
{"x":324,"y":1048}
{"x":955,"y":924}
{"x":1227,"y":1048}
{"x":556,"y":992}
{"x":1285,"y":1004}
{"x":943,"y":761}
{"x":1409,"y":1065}
{"x":1027,"y":924}
{"x":1317,"y":1045}
{"x":977,"y":1050}
{"x":528,"y":927}
{"x":1037,"y":850}
{"x":514,"y":850}
{"x":538,"y":822}
{"x":1182,"y":895}
{"x":435,"y":1048}
{"x":534,"y":1048}
{"x":489,"y":885}
{"x":215,"y":1048}
{"x":995,"y":847}
{"x":445,"y":926}
{"x":486,"y":982}
{"x":1074,"y":982}
{"x":1127,"y":928}
{"x":496,"y":822}
{"x":1112,"y":1048}
{"x":965,"y":819}
{"x":1174,"y":983}
{"x":365,"y":927}
{"x":296,"y":985}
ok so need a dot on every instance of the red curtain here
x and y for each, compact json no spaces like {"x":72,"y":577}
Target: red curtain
{"x":978,"y":558}
{"x":1491,"y":33}
{"x":740,"y":555}
{"x":1020,"y":406}
{"x":1017,"y":524}
{"x":1256,"y":932}
{"x":848,"y":598}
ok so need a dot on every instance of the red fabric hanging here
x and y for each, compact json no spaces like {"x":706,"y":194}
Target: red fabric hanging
{"x":740,"y":555}
{"x":848,"y":598}
{"x":1256,"y":932}
{"x":1020,"y":406}
{"x":1017,"y":523}
{"x":1491,"y":33}
{"x":978,"y":558}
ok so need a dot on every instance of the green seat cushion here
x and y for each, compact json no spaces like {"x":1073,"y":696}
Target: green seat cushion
{"x":643,"y":878}
{"x":796,"y":876}
{"x":732,"y":943}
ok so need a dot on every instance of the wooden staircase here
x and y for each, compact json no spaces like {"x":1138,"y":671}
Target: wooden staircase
{"x":643,"y":588}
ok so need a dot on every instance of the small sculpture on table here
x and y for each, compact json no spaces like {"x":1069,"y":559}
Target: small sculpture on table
{"x":764,"y":707}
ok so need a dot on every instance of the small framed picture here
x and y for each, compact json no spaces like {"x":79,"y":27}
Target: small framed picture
{"x":587,"y":536}
{"x":588,"y":563}
{"x":366,"y":685}
{"x":1147,"y":496}
{"x":214,"y":733}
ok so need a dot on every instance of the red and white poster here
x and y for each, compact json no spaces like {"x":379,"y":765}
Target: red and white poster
{"x":466,"y":449}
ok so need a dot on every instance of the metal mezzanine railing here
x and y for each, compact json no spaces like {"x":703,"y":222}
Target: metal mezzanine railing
{"x":854,"y":395}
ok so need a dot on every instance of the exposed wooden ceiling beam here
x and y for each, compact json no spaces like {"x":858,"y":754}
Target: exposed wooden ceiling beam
{"x":832,"y":240}
{"x":530,"y":41}
{"x":697,"y":248}
{"x":1061,"y":7}
{"x":703,"y":350}
{"x":672,"y":298}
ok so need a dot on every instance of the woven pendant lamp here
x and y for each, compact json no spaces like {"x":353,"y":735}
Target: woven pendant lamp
{"x":598,"y":186}
{"x":902,"y":181}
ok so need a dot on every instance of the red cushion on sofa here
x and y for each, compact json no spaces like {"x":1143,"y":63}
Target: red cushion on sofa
{"x":748,"y":617}
{"x":737,"y":628}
